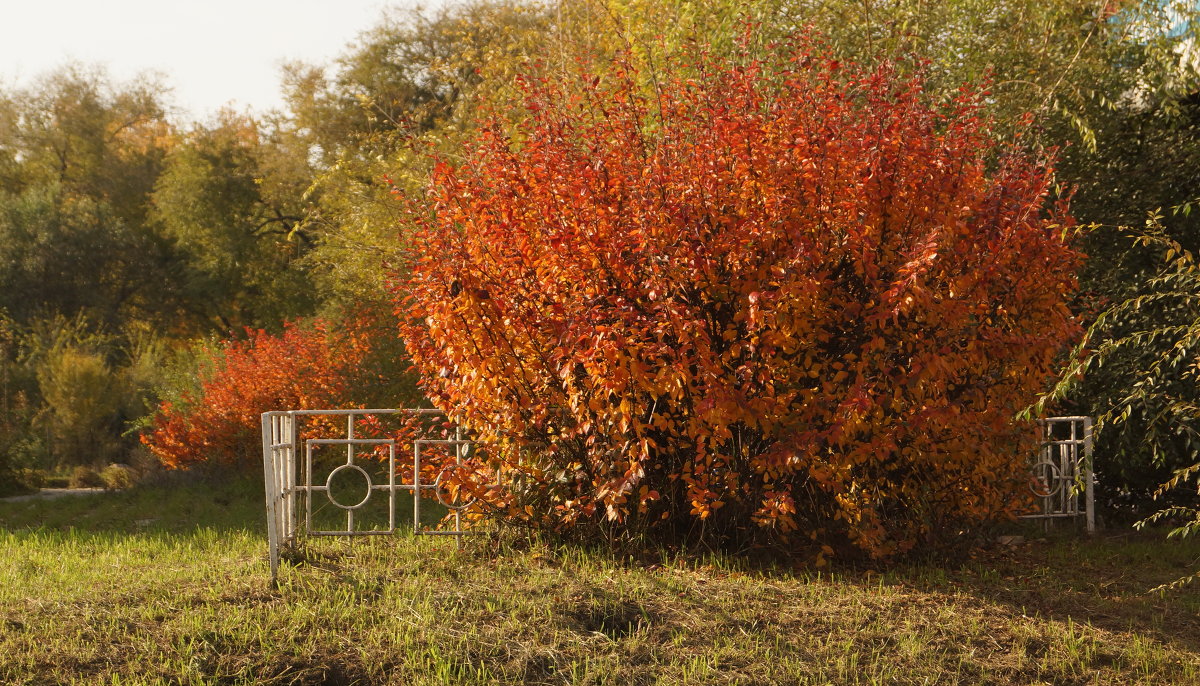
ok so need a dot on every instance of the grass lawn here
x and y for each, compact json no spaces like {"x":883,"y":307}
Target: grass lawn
{"x":170,"y":585}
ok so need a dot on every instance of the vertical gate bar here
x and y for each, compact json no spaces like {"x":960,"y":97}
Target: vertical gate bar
{"x":308,"y":488}
{"x":279,"y":464}
{"x":1075,"y":474}
{"x":281,"y":433}
{"x":269,"y":483}
{"x":280,"y":457}
{"x":1047,"y":457}
{"x":391,"y":488}
{"x":1089,"y":483}
{"x":1064,"y":478}
{"x":277,"y":479}
{"x":350,"y":460}
{"x":292,"y":457}
{"x":458,"y":454}
{"x":416,"y":487}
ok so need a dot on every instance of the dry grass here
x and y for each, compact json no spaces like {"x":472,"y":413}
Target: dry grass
{"x":184,"y":599}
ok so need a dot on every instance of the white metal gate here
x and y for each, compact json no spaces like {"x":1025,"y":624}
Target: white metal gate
{"x":295,"y":489}
{"x":1063,"y":471}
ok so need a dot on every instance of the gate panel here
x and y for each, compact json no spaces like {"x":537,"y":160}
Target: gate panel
{"x":1063,"y":470}
{"x":291,"y":474}
{"x":1061,"y":473}
{"x":309,"y":487}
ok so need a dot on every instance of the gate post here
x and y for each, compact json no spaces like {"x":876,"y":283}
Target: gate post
{"x":270,"y":481}
{"x":1089,"y":484}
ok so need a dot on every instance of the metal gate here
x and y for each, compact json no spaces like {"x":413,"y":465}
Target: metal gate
{"x":296,"y":493}
{"x":294,"y":487}
{"x":1063,"y":471}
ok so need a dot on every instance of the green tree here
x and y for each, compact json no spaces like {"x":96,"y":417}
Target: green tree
{"x":236,"y":222}
{"x":416,"y":81}
{"x":77,"y":129}
{"x":79,"y":157}
{"x":1153,"y":340}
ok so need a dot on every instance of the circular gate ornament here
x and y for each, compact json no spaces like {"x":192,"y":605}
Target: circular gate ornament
{"x":437,"y":490}
{"x":329,"y":485}
{"x":1046,"y":479}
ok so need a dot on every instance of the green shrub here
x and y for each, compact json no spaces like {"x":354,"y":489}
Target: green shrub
{"x":146,"y":467}
{"x":31,"y":478}
{"x":11,"y":485}
{"x":118,"y":477}
{"x":85,"y":477}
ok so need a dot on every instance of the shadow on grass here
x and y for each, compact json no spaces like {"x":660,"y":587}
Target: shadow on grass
{"x":1103,"y":581}
{"x":181,"y":504}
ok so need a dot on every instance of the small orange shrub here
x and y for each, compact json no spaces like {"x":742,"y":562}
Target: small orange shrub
{"x":789,"y":303}
{"x":301,"y":368}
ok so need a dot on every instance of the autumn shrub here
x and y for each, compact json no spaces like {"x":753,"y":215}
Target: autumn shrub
{"x":787,"y":303}
{"x":304,"y":367}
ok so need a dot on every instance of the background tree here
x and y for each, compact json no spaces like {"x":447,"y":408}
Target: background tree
{"x":83,"y":156}
{"x":237,"y":224}
{"x":412,"y":83}
{"x":79,"y":264}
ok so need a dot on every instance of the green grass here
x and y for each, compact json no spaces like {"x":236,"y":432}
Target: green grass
{"x":170,"y":585}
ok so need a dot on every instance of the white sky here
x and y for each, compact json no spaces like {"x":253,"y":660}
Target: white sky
{"x":211,"y":52}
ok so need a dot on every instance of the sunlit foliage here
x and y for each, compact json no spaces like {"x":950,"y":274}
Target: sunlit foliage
{"x":301,"y":367}
{"x":779,"y":300}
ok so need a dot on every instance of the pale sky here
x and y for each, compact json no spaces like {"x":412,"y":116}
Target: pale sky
{"x":211,"y":52}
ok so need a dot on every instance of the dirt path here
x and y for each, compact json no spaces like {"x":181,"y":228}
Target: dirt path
{"x":51,"y":494}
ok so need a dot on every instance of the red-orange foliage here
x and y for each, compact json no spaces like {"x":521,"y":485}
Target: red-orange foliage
{"x":791,"y":303}
{"x":302,"y":368}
